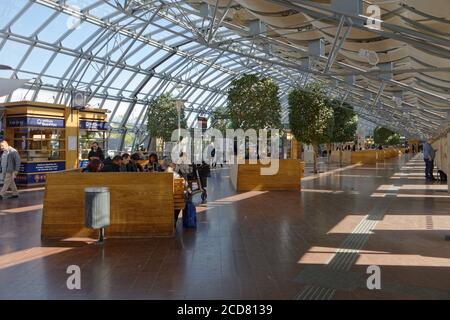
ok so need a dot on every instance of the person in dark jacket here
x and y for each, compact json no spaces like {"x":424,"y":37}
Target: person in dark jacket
{"x":10,"y":164}
{"x":135,"y":158}
{"x":127,"y":164}
{"x":96,"y":152}
{"x":114,"y":166}
{"x":153,"y":164}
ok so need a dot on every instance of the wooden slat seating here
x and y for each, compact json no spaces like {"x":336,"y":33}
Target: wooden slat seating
{"x":178,"y":194}
{"x":142,"y":205}
{"x":247,"y":177}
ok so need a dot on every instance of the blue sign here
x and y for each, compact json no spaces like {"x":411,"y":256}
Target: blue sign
{"x":84,"y":163}
{"x":93,"y":125}
{"x":42,"y":167}
{"x":34,"y":122}
{"x":27,"y":179}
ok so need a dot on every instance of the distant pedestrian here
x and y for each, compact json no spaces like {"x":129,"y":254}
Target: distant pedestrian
{"x":428,"y":156}
{"x":10,"y":163}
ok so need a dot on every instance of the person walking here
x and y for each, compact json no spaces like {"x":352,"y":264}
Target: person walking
{"x":428,"y":156}
{"x":10,"y":163}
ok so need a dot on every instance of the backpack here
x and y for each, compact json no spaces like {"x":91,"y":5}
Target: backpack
{"x":442,"y":176}
{"x":189,"y":215}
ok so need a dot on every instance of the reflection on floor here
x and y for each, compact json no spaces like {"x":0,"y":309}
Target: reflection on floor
{"x":255,"y":245}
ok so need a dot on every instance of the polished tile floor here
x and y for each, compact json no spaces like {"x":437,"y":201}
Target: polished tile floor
{"x":316,"y":244}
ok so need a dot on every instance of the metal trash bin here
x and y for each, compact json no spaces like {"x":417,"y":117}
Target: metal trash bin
{"x":97,"y":209}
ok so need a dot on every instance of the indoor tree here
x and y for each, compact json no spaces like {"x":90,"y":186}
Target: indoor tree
{"x":162,"y":118}
{"x":220,"y":120}
{"x":385,"y":136}
{"x":310,"y":116}
{"x":343,"y":125}
{"x":253,"y":103}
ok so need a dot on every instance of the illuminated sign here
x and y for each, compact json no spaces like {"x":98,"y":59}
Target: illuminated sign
{"x":94,"y":125}
{"x":35,"y":122}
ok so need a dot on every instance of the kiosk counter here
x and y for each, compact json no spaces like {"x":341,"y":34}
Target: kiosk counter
{"x":50,"y":137}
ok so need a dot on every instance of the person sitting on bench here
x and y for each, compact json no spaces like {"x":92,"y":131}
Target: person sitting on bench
{"x":94,"y":165}
{"x":114,"y":166}
{"x":153,"y":164}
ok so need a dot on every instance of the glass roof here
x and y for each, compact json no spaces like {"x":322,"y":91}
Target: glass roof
{"x":124,"y":53}
{"x":119,"y":58}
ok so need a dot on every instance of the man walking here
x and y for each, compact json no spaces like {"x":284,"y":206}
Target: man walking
{"x":10,"y":162}
{"x":428,"y":157}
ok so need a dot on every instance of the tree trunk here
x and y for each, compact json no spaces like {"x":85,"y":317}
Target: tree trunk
{"x":152,"y":145}
{"x":340,"y":155}
{"x":315,"y":152}
{"x":329,"y":151}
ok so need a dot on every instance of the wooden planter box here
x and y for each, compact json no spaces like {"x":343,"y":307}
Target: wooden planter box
{"x":374,"y":156}
{"x":338,"y":156}
{"x":247,"y":177}
{"x":366,"y":156}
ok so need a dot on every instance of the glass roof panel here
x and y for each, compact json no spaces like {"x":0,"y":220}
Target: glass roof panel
{"x":31,"y":20}
{"x":9,"y":11}
{"x":12,"y":53}
{"x":55,"y":29}
{"x":60,"y":65}
{"x":37,"y":60}
{"x":120,"y":112}
{"x":134,"y":116}
{"x":118,"y":78}
{"x":101,"y":11}
{"x":79,"y":35}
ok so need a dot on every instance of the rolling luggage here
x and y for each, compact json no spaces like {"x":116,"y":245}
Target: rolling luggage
{"x":189,"y":215}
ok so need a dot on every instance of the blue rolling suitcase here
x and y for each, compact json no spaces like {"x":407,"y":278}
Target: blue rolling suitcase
{"x":189,"y":215}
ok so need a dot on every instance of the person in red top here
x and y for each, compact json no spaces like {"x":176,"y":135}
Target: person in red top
{"x":94,"y":165}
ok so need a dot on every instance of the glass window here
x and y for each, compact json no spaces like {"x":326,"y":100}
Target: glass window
{"x":40,"y":144}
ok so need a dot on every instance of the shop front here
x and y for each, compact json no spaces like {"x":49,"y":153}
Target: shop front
{"x":49,"y":137}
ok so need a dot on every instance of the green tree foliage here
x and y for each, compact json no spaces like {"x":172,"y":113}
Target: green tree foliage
{"x":220,"y":120}
{"x":310,"y":116}
{"x":394,"y":139}
{"x":163,"y":117}
{"x":385,"y":136}
{"x":253,"y":103}
{"x":345,"y":122}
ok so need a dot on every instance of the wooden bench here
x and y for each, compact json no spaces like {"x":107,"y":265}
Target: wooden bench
{"x":142,"y":204}
{"x":178,"y":194}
